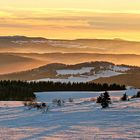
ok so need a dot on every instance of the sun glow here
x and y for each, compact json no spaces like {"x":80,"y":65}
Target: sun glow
{"x":71,"y":19}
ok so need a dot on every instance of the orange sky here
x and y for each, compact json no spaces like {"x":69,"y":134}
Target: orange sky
{"x":71,"y":19}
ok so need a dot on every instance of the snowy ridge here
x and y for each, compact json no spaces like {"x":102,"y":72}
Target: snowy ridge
{"x":86,"y":74}
{"x":77,"y":71}
{"x":31,"y":41}
{"x":83,"y":78}
{"x":121,"y":68}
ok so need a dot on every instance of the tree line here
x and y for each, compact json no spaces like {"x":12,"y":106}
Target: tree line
{"x":24,"y":90}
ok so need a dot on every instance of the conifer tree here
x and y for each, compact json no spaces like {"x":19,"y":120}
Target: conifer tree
{"x":106,"y":100}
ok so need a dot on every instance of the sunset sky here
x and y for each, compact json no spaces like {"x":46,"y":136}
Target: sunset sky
{"x":71,"y":19}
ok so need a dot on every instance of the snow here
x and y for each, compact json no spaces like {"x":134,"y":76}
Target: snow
{"x":38,"y":41}
{"x":83,"y":78}
{"x":80,"y":120}
{"x":121,"y":68}
{"x":88,"y":70}
{"x":66,"y":44}
{"x":77,"y":71}
{"x":86,"y":74}
{"x":10,"y":104}
{"x":20,"y":42}
{"x":32,"y":41}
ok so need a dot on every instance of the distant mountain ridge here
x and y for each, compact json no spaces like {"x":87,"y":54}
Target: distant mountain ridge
{"x":74,"y":58}
{"x":14,"y":62}
{"x":82,"y":50}
{"x":21,"y":38}
{"x":23,"y":44}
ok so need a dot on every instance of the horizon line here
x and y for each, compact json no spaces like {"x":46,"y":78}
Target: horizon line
{"x":53,"y":38}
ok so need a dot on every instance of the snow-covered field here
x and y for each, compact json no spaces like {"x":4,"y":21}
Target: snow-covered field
{"x":82,"y":78}
{"x":86,"y":74}
{"x":79,"y":120}
{"x":77,"y":71}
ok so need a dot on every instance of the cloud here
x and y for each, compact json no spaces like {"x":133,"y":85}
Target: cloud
{"x":104,"y":25}
{"x":98,"y":21}
{"x":12,"y":25}
{"x":79,"y":23}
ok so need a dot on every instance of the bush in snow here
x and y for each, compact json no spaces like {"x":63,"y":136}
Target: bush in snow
{"x":58,"y":102}
{"x":124,"y":97}
{"x":71,"y":100}
{"x":25,"y":103}
{"x":28,"y":103}
{"x":137,"y":95}
{"x":39,"y":106}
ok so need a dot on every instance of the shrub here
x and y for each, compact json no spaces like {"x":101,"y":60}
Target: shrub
{"x":39,"y":106}
{"x":58,"y":102}
{"x":71,"y":100}
{"x":124,"y":97}
{"x":137,"y":95}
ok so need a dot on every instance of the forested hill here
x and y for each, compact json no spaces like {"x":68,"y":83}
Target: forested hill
{"x":22,"y":90}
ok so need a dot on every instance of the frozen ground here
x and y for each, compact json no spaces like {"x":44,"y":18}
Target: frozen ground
{"x":80,"y":120}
